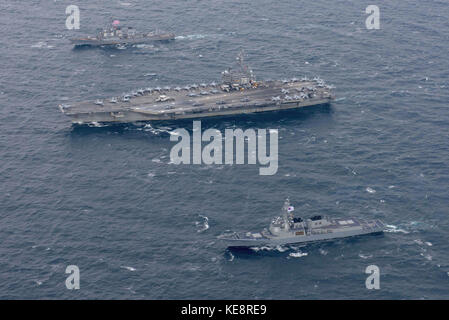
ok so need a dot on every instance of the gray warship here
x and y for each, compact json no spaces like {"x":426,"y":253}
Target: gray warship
{"x":238,"y":93}
{"x":287,"y":229}
{"x":117,"y":36}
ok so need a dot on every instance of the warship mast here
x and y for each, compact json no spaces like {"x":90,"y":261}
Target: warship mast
{"x":241,"y":78}
{"x":287,"y":208}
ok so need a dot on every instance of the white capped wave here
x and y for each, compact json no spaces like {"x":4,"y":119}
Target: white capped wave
{"x":370,"y":190}
{"x":40,"y":44}
{"x":263,"y":248}
{"x":38,"y":282}
{"x":365,"y":256}
{"x":427,"y":256}
{"x":281,"y":248}
{"x":298,"y":254}
{"x":128,"y":268}
{"x":422,"y":242}
{"x":202,"y":225}
{"x":190,"y":37}
{"x":143,"y":46}
{"x":95,"y":124}
{"x":392,"y":228}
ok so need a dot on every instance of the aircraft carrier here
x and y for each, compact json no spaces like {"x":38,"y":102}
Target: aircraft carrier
{"x":238,"y":93}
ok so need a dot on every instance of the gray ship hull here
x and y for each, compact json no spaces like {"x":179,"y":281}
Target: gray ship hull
{"x":362,"y":228}
{"x":129,"y":116}
{"x":118,"y":41}
{"x":181,"y":105}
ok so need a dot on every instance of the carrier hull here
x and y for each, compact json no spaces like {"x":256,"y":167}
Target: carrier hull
{"x":193,"y":103}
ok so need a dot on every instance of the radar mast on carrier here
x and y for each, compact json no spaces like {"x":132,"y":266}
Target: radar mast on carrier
{"x":241,"y":78}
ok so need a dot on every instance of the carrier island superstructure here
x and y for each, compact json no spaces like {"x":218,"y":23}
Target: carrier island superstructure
{"x":238,"y":93}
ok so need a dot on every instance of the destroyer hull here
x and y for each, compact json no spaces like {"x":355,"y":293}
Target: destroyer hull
{"x":235,"y":242}
{"x":98,"y":42}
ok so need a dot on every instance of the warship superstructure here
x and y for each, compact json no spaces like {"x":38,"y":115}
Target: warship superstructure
{"x":287,"y":229}
{"x":117,"y":36}
{"x":238,"y":93}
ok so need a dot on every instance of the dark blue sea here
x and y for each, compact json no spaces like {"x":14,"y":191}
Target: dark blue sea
{"x":108,"y":200}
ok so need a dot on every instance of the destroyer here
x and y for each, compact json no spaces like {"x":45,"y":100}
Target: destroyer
{"x":238,"y":93}
{"x":287,"y":229}
{"x":116,"y":36}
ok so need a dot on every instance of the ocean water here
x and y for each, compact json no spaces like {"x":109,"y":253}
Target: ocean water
{"x":108,"y":200}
